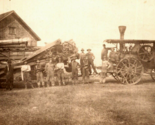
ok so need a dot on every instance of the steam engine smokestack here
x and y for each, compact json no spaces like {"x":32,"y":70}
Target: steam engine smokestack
{"x":122,"y":31}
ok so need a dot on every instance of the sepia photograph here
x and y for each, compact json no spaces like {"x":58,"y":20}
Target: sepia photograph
{"x":77,"y":62}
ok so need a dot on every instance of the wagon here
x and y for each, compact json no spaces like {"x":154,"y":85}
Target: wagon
{"x":132,"y":59}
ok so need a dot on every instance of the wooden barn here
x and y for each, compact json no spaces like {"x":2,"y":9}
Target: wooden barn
{"x":17,"y":39}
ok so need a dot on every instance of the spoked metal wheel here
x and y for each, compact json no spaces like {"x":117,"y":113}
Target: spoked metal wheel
{"x":153,"y":74}
{"x":129,"y":70}
{"x":145,"y":53}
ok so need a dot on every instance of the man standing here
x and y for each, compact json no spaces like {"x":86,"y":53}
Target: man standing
{"x":25,"y":71}
{"x":39,"y":73}
{"x":104,"y":53}
{"x":82,"y":54}
{"x":59,"y":69}
{"x":9,"y":75}
{"x":105,"y":66}
{"x":85,"y":76}
{"x":75,"y":66}
{"x":91,"y":58}
{"x":49,"y":69}
{"x":112,"y":56}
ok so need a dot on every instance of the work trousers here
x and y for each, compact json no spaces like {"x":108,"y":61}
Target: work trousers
{"x":85,"y":75}
{"x":40,"y":78}
{"x":81,"y":67}
{"x":27,"y":79}
{"x":50,"y":78}
{"x":9,"y":81}
{"x":103,"y":76}
{"x":91,"y":63}
{"x":104,"y":71}
{"x":60,"y":76}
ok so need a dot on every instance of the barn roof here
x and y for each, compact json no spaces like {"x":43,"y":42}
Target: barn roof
{"x":15,"y":15}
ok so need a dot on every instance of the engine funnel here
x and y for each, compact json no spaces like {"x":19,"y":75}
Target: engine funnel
{"x":122,"y":31}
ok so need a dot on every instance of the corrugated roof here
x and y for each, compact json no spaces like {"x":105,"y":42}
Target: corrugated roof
{"x":4,"y":15}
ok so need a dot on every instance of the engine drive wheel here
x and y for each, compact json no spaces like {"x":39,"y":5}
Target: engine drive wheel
{"x":129,"y":70}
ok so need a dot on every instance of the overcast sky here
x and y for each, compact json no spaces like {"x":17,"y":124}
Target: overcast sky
{"x":85,"y":21}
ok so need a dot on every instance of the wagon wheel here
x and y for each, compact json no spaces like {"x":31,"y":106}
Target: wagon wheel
{"x":129,"y":70}
{"x":145,"y":53}
{"x":153,"y":74}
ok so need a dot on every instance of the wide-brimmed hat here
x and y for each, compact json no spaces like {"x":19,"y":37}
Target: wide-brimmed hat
{"x":88,"y":49}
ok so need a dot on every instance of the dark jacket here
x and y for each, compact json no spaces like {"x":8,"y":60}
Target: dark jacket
{"x":9,"y":71}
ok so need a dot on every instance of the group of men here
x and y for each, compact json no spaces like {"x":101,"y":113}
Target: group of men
{"x":52,"y":69}
{"x":86,"y":62}
{"x":55,"y":69}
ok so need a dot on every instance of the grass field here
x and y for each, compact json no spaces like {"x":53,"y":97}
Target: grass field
{"x":84,"y":104}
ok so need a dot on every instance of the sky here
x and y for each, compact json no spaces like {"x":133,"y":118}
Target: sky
{"x":87,"y":22}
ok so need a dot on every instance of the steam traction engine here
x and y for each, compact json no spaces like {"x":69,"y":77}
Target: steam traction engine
{"x":132,"y":58}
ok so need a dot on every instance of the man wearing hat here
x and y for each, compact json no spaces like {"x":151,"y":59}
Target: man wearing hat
{"x":25,"y":71}
{"x":75,"y":66}
{"x":82,"y":54}
{"x":39,"y":73}
{"x":104,"y":53}
{"x":112,"y":55}
{"x":91,"y":58}
{"x":9,"y":75}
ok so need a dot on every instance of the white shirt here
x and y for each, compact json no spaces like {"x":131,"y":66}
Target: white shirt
{"x":25,"y":68}
{"x":60,"y":65}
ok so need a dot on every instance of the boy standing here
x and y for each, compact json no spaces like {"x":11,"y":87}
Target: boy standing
{"x":105,"y":67}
